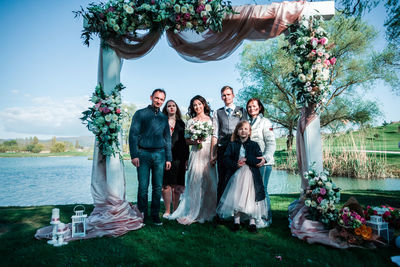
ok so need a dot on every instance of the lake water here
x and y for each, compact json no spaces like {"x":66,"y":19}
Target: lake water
{"x":66,"y":180}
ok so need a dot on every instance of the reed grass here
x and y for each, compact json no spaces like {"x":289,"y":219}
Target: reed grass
{"x":346,"y":155}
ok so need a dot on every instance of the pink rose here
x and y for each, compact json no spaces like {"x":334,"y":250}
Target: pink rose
{"x":386,"y":214}
{"x":327,"y":62}
{"x":200,"y":8}
{"x":323,"y":40}
{"x":313,"y":51}
{"x":153,"y":2}
{"x":319,"y":199}
{"x":187,"y":16}
{"x":97,"y":105}
{"x":118,"y":111}
{"x":177,"y":18}
{"x":320,"y":54}
{"x":375,"y":212}
{"x":318,"y":60}
{"x":204,"y":19}
{"x":333,"y":61}
{"x":106,"y":110}
{"x":322,"y":191}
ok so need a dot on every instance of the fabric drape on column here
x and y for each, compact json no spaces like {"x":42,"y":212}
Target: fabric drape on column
{"x":309,"y":151}
{"x":254,"y":22}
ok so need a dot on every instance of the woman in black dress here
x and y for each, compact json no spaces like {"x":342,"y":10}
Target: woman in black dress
{"x":174,"y":179}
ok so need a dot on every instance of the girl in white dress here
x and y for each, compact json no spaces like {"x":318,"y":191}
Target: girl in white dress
{"x":244,"y":193}
{"x":199,"y":200}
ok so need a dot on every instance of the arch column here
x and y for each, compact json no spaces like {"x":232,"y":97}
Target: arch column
{"x":108,"y":176}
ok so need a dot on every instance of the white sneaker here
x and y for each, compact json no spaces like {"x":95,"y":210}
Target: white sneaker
{"x":166,"y":216}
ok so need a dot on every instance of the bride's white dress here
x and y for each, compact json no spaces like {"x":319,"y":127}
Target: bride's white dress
{"x":199,"y":201}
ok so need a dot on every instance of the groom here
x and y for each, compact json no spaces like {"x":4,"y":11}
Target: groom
{"x":150,"y":149}
{"x":225,"y":120}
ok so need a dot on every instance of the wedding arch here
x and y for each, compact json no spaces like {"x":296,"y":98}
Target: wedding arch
{"x":199,"y":37}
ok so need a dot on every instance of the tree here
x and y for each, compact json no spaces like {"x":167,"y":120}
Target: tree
{"x":358,"y":8}
{"x":128,"y":111}
{"x":35,"y":140}
{"x":344,"y":110}
{"x":53,"y":141}
{"x":58,"y":147}
{"x":265,"y":68}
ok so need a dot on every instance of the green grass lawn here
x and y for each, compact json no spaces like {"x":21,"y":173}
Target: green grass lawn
{"x":174,"y":245}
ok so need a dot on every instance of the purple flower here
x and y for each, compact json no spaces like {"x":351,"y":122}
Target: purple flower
{"x":322,"y":191}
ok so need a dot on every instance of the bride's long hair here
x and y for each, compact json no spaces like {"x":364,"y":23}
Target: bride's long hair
{"x":191,"y":111}
{"x":235,"y":136}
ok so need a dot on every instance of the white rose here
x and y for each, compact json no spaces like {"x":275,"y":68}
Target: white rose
{"x":302,"y":78}
{"x":208,"y":8}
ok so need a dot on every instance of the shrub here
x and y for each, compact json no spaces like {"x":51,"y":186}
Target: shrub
{"x":58,"y":147}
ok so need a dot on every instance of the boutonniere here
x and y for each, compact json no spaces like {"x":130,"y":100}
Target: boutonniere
{"x":238,"y":114}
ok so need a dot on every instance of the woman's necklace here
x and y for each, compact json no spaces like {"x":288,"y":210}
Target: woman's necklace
{"x":171,"y":122}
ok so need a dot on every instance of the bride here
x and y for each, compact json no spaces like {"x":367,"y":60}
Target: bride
{"x":199,"y":201}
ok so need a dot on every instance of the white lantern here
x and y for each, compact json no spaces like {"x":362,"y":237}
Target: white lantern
{"x":79,"y":222}
{"x":379,"y":227}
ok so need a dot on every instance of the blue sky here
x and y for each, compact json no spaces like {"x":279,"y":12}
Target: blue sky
{"x":47,"y":74}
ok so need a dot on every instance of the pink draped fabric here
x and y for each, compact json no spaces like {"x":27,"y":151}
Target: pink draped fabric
{"x":301,"y":227}
{"x":112,"y":214}
{"x":254,"y":22}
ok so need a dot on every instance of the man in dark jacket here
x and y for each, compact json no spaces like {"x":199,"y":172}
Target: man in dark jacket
{"x":150,"y":149}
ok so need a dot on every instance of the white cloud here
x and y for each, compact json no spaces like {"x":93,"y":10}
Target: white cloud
{"x":15,"y":91}
{"x":46,"y":116}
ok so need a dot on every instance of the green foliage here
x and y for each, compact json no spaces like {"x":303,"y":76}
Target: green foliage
{"x":34,"y":148}
{"x":10,"y":143}
{"x":116,"y":19}
{"x":194,"y":245}
{"x":58,"y":147}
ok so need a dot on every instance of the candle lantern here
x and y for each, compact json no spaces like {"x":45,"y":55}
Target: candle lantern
{"x":61,"y":230}
{"x":55,"y":220}
{"x":79,"y":222}
{"x":379,"y":227}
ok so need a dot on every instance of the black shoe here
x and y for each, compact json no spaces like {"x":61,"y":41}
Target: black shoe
{"x":252,"y":228}
{"x":236,"y":227}
{"x":157,"y":221}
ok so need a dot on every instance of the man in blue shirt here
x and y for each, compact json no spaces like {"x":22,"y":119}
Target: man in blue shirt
{"x":150,"y":149}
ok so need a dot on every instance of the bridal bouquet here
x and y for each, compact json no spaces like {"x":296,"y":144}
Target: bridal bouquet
{"x":198,"y":130}
{"x":104,"y":119}
{"x":321,"y":196}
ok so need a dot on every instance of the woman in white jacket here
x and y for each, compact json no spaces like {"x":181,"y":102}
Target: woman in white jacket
{"x":262,"y":133}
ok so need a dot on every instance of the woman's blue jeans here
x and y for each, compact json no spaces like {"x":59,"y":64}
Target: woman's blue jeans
{"x":154,"y":161}
{"x":266,"y":173}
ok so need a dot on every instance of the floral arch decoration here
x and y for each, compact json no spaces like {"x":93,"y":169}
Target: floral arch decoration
{"x":133,"y":27}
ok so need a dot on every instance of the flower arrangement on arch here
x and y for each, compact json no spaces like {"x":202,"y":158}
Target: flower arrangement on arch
{"x":321,"y":195}
{"x":198,"y":130}
{"x":118,"y":18}
{"x":104,"y":119}
{"x":309,"y":44}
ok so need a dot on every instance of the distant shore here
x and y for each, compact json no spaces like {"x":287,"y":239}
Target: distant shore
{"x":38,"y":155}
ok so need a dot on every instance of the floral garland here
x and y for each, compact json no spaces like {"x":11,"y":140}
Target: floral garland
{"x":118,"y":18}
{"x":321,"y":195}
{"x":104,"y":119}
{"x":310,"y":79}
